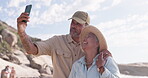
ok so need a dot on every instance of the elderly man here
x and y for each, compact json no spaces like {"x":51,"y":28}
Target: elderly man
{"x":64,"y":49}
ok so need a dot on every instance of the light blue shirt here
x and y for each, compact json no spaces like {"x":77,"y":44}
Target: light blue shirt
{"x":79,"y":69}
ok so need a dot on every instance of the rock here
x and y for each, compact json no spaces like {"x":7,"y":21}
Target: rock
{"x":9,"y":56}
{"x":46,"y":69}
{"x":14,"y":59}
{"x":22,"y":71}
{"x":134,"y":69}
{"x":1,"y":40}
{"x":21,"y":57}
{"x":9,"y":37}
{"x":46,"y":76}
{"x":5,"y":57}
{"x":33,"y":64}
{"x":40,"y":64}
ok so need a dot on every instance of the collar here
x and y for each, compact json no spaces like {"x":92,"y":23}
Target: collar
{"x":70,"y":40}
{"x":82,"y":60}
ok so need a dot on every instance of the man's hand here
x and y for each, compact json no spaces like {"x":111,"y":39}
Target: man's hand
{"x":20,"y":24}
{"x":106,"y":54}
{"x":102,"y":60}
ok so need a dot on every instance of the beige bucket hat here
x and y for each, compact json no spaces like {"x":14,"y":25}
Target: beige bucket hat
{"x":81,"y":17}
{"x":99,"y":35}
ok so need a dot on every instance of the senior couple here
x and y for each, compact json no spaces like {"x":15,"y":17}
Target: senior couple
{"x":80,"y":54}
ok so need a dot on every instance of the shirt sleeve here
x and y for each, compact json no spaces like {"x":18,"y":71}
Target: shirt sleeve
{"x":45,"y":47}
{"x":111,"y":69}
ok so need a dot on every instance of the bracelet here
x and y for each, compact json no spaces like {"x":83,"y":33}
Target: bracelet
{"x":100,"y":69}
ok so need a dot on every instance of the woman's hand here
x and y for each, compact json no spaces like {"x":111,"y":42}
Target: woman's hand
{"x":102,"y":59}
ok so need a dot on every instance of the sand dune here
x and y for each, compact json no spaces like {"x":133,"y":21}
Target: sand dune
{"x":134,"y":69}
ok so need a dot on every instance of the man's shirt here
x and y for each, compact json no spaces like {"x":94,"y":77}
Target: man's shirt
{"x":63,"y":50}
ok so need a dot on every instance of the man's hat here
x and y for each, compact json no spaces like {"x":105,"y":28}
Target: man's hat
{"x":91,"y":29}
{"x":81,"y":17}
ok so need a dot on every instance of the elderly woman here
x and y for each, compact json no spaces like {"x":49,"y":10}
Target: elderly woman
{"x":95,"y":63}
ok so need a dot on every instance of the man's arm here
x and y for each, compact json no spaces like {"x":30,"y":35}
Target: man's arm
{"x":28,"y":44}
{"x":26,"y":40}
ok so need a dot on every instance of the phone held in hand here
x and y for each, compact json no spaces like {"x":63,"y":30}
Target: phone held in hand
{"x":27,"y":10}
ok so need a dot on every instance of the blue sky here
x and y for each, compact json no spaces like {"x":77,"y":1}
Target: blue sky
{"x":124,"y":23}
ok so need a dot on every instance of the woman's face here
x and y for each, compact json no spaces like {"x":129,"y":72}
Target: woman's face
{"x":89,"y":42}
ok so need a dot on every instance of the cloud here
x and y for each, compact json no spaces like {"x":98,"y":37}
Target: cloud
{"x":12,"y":14}
{"x":0,"y":8}
{"x":15,"y":3}
{"x":44,"y":36}
{"x":59,"y":12}
{"x":116,"y":2}
{"x":113,"y":3}
{"x":40,"y":3}
{"x":44,"y":12}
{"x":12,"y":22}
{"x":129,"y":31}
{"x":46,"y":2}
{"x":87,"y":5}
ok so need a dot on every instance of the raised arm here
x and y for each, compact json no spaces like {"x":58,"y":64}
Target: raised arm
{"x":26,"y":40}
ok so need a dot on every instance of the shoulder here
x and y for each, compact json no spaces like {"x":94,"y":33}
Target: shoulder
{"x":59,"y":37}
{"x":55,"y":38}
{"x":110,"y":60}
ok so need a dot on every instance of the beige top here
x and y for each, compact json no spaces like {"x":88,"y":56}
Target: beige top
{"x":63,"y":50}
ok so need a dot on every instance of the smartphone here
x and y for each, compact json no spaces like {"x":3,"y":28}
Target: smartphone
{"x":27,"y":10}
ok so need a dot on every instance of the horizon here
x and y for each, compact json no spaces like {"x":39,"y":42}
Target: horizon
{"x":124,"y":23}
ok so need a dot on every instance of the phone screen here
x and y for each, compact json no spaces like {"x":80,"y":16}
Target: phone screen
{"x":28,"y":9}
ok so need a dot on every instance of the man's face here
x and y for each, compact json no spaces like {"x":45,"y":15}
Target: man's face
{"x":75,"y":29}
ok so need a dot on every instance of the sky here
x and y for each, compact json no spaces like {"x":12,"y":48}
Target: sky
{"x":124,"y":23}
